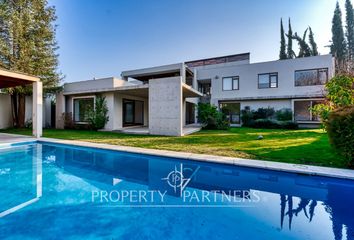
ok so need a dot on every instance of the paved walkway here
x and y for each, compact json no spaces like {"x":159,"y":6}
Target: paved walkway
{"x":12,"y":138}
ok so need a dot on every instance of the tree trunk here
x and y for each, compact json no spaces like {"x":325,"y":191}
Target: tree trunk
{"x":21,"y":110}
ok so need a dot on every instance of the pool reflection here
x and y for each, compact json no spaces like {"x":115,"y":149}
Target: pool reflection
{"x":23,"y":177}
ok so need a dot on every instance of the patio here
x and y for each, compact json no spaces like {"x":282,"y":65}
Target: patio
{"x":144,"y":130}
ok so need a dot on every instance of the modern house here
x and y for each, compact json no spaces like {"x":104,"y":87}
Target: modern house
{"x":161,"y":100}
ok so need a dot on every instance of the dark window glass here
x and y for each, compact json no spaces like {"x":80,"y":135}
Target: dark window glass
{"x":311,"y":77}
{"x":232,"y":112}
{"x":82,"y":109}
{"x":268,"y":80}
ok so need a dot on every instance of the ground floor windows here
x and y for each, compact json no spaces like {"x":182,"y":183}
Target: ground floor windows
{"x":82,"y":108}
{"x":302,"y":110}
{"x":190,"y":113}
{"x":232,"y":111}
{"x":133,"y":112}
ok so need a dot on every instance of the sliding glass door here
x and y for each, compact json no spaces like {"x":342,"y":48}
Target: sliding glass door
{"x":133,"y":112}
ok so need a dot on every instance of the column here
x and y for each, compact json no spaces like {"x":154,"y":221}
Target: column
{"x":37,"y":113}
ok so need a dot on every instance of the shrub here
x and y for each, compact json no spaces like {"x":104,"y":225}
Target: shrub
{"x":265,"y":123}
{"x":263,"y":113}
{"x":273,"y":124}
{"x":284,"y":114}
{"x":28,"y":123}
{"x":247,"y":117}
{"x":211,"y":118}
{"x":340,"y":128}
{"x":340,"y":93}
{"x":68,"y":120}
{"x":289,"y":125}
{"x":98,"y":117}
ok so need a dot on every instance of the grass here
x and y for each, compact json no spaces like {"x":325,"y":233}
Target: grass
{"x":291,"y":146}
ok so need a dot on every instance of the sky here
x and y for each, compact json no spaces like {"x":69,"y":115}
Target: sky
{"x":102,"y":38}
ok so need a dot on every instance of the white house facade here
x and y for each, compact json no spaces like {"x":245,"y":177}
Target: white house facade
{"x":295,"y":84}
{"x":162,"y":100}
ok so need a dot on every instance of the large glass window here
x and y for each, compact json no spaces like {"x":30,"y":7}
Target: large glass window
{"x":268,"y":80}
{"x":311,"y":77}
{"x":82,"y":109}
{"x":302,"y":110}
{"x":232,"y":112}
{"x":230,"y":83}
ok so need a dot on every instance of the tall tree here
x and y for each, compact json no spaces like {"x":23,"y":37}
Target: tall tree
{"x":27,"y":44}
{"x":313,"y":45}
{"x":290,"y":52}
{"x":282,"y":53}
{"x":349,"y":29}
{"x":338,"y":46}
{"x":304,"y":48}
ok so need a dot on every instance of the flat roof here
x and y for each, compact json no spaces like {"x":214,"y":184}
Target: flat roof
{"x":13,"y":79}
{"x":144,"y":74}
{"x":218,"y":60}
{"x":151,"y":71}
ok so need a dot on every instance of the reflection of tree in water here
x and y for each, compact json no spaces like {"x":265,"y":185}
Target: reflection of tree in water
{"x":339,"y":205}
{"x":287,"y":200}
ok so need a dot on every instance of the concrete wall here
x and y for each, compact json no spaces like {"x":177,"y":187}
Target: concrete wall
{"x":5,"y":112}
{"x":248,"y":74}
{"x":59,"y":110}
{"x":165,"y":106}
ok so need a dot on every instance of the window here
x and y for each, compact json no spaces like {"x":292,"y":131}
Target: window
{"x":82,"y":109}
{"x":311,"y":77}
{"x":268,"y":80}
{"x":302,"y":110}
{"x":232,"y":112}
{"x":230,"y":83}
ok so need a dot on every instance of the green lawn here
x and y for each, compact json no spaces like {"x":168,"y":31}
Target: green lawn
{"x":292,"y":146}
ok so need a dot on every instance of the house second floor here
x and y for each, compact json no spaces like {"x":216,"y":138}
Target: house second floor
{"x":240,"y":79}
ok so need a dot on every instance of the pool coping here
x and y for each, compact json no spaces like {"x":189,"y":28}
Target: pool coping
{"x":243,"y":162}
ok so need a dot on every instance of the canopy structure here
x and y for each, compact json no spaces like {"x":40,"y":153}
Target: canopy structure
{"x":14,"y":79}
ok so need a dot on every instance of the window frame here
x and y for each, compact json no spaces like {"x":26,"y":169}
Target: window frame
{"x":311,"y":100}
{"x":73,"y":107}
{"x":232,"y":83}
{"x":270,"y":74}
{"x":318,"y":76}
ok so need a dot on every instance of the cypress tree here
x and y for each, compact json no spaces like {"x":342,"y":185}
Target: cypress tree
{"x":290,"y":52}
{"x":27,"y":44}
{"x":282,"y":53}
{"x":349,"y":28}
{"x":313,"y":45}
{"x":338,"y":46}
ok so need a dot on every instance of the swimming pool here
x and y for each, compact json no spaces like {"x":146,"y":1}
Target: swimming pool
{"x":59,"y":191}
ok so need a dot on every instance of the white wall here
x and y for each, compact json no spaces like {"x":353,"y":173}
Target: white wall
{"x":248,"y":74}
{"x":5,"y":111}
{"x":95,"y":85}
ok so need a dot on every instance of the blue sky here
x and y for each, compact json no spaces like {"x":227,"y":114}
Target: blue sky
{"x":102,"y":38}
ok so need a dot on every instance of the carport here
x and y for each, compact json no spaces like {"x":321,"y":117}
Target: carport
{"x":14,"y":79}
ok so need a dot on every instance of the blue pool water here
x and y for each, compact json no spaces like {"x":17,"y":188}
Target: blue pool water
{"x":56,"y":191}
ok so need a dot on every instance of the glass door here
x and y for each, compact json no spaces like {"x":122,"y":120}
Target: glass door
{"x":128,"y":112}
